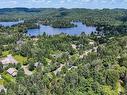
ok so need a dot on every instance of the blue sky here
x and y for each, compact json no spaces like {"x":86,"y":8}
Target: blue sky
{"x":64,"y":3}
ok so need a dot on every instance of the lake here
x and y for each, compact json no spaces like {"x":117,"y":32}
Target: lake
{"x":9,"y":24}
{"x":52,"y":31}
{"x":71,"y":31}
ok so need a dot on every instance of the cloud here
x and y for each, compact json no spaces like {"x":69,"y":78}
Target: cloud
{"x":62,"y":1}
{"x":69,"y":0}
{"x":49,"y":1}
{"x":85,"y":1}
{"x":13,"y":2}
{"x":10,"y":2}
{"x":38,"y":1}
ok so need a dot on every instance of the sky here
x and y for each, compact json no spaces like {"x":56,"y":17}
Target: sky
{"x":91,"y":4}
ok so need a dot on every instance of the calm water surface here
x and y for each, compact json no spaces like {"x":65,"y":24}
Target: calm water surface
{"x":71,"y":31}
{"x":9,"y":24}
{"x":52,"y":31}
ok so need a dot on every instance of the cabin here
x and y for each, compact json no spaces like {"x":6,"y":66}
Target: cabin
{"x":2,"y":88}
{"x":35,"y":39}
{"x":92,"y":43}
{"x":8,"y":60}
{"x":20,"y":42}
{"x":0,"y":77}
{"x":12,"y":72}
{"x":74,"y":46}
{"x":57,"y":55}
{"x":37,"y":64}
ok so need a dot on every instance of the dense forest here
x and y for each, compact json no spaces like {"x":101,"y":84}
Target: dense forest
{"x":63,"y":64}
{"x":113,"y":17}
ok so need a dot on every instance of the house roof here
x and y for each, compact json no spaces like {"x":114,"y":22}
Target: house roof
{"x":0,"y":77}
{"x":12,"y":71}
{"x":14,"y":74}
{"x":9,"y":59}
{"x":20,"y":42}
{"x":37,"y":64}
{"x":91,"y":43}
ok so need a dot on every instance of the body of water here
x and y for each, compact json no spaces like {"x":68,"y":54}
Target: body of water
{"x":71,"y":31}
{"x":52,"y":31}
{"x":9,"y":24}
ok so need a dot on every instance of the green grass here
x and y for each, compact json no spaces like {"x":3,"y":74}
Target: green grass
{"x":20,"y":59}
{"x":8,"y":78}
{"x":1,"y":81}
{"x":5,"y":53}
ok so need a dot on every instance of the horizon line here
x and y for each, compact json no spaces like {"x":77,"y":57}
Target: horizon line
{"x":60,"y":8}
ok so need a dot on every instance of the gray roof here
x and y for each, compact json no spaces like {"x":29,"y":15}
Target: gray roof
{"x":9,"y":59}
{"x":37,"y":64}
{"x":12,"y":71}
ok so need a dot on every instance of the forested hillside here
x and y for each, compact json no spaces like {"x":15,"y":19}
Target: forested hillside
{"x":62,"y":64}
{"x":50,"y":15}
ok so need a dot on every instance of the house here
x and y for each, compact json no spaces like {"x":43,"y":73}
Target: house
{"x":73,"y":46}
{"x":37,"y":64}
{"x":35,"y":39}
{"x":57,"y":55}
{"x":0,"y":77}
{"x":20,"y":42}
{"x":8,"y":60}
{"x":91,"y":43}
{"x":12,"y":72}
{"x":2,"y":88}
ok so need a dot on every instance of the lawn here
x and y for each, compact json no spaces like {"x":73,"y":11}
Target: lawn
{"x":5,"y":53}
{"x":1,"y":82}
{"x":20,"y":59}
{"x":8,"y":78}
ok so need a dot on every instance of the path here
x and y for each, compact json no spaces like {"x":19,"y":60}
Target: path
{"x":119,"y":87}
{"x":1,"y":87}
{"x":26,"y":70}
{"x":73,"y":67}
{"x":88,"y":51}
{"x":59,"y":69}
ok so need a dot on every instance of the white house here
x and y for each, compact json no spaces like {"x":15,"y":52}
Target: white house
{"x":12,"y":71}
{"x":91,"y":43}
{"x":0,"y":77}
